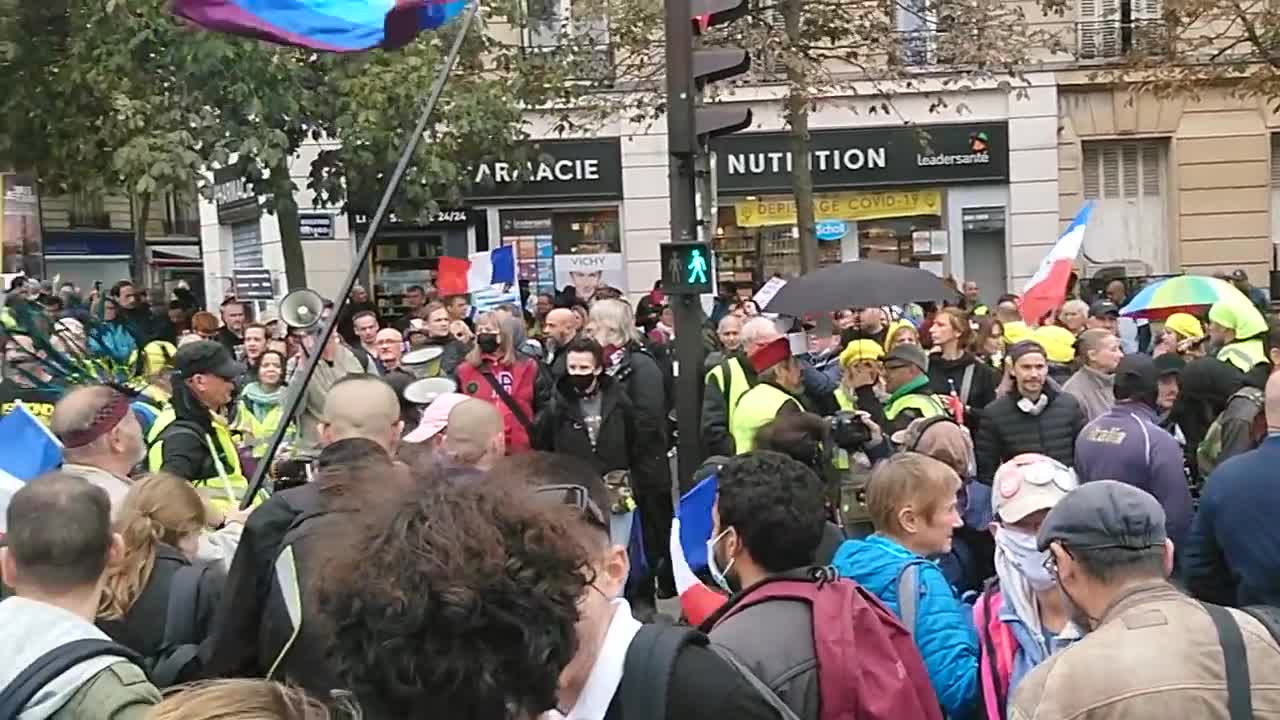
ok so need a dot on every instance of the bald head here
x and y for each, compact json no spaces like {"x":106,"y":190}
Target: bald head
{"x":730,"y":332}
{"x":474,"y":435}
{"x":362,"y":406}
{"x":116,"y":449}
{"x":390,"y":346}
{"x":561,"y":324}
{"x":757,"y":332}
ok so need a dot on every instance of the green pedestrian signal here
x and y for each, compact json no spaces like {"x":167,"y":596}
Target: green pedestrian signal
{"x":686,"y":268}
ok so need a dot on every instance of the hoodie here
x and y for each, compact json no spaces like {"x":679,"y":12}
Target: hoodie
{"x":29,"y":629}
{"x":944,"y":630}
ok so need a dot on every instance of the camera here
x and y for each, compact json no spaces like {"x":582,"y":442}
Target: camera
{"x":848,"y":431}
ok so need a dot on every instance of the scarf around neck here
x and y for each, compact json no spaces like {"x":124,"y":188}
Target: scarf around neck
{"x":259,"y":400}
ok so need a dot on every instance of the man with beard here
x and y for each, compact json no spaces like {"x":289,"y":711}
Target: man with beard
{"x":101,"y":439}
{"x":559,"y":330}
{"x":1111,"y":556}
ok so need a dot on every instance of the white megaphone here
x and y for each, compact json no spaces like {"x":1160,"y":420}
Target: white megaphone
{"x":301,"y":309}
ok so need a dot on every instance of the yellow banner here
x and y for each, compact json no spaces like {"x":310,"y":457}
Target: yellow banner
{"x":781,"y":210}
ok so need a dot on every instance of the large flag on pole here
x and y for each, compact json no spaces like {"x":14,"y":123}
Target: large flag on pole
{"x":1047,"y":289}
{"x":28,"y":451}
{"x":690,"y":531}
{"x":325,"y":25}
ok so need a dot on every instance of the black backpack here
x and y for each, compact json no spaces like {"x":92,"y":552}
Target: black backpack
{"x":51,"y":665}
{"x":181,"y":644}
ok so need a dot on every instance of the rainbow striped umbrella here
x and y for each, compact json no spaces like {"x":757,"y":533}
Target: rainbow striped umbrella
{"x":325,"y":25}
{"x":1183,"y":293}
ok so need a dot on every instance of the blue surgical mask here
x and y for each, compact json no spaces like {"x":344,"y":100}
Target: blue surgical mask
{"x":720,"y":576}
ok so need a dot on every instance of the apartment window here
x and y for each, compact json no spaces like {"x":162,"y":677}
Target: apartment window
{"x":1111,"y":28}
{"x":564,"y":26}
{"x":88,"y":210}
{"x":1126,"y":182}
{"x":918,"y":30}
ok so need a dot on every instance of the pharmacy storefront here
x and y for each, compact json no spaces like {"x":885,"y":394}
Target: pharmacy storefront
{"x":880,"y":193}
{"x":560,"y":210}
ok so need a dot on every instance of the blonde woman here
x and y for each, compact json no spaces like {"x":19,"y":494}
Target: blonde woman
{"x":160,"y":521}
{"x":495,"y":372}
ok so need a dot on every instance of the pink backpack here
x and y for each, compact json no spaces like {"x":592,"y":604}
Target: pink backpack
{"x":998,"y":647}
{"x":868,"y":664}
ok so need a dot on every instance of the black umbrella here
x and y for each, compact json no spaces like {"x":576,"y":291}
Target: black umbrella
{"x":858,"y":283}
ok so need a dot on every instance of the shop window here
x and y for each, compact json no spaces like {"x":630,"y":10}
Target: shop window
{"x":1126,"y":181}
{"x":403,"y":258}
{"x":1110,"y":28}
{"x":554,"y":248}
{"x":246,"y":245}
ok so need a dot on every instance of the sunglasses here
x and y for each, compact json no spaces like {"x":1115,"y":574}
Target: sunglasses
{"x":576,"y":496}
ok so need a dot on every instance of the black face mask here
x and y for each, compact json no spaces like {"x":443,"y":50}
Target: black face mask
{"x":487,"y":342}
{"x":582,"y":384}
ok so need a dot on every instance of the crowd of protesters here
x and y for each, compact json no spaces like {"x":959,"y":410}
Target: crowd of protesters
{"x":930,"y":511}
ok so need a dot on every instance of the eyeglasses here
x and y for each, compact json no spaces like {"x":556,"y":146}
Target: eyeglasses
{"x":576,"y":496}
{"x":1050,"y":565}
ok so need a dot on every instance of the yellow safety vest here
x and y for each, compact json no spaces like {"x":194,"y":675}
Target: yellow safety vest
{"x":756,"y":407}
{"x":225,"y":490}
{"x":1244,"y":355}
{"x":261,"y":429}
{"x":738,"y":385}
{"x":840,"y":458}
{"x":926,"y":405}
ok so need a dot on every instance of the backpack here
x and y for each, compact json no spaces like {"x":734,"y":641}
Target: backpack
{"x":868,"y":663}
{"x":1210,"y":449}
{"x":286,"y":586}
{"x":181,"y":644}
{"x":51,"y":665}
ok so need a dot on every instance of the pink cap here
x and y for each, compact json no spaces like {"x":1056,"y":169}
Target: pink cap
{"x":435,"y":418}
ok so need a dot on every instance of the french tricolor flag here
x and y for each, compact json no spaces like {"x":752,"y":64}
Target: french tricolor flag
{"x":29,"y":450}
{"x":690,"y":531}
{"x":456,"y":276}
{"x":1047,"y":289}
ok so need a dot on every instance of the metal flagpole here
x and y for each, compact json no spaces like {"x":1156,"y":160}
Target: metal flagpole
{"x":313,"y":357}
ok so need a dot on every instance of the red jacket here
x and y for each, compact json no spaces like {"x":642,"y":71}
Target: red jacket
{"x":520,"y":379}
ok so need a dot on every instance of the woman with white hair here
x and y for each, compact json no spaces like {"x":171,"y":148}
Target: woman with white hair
{"x":635,"y":369}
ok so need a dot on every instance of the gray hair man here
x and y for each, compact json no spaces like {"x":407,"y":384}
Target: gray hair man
{"x":728,"y":380}
{"x":101,"y":439}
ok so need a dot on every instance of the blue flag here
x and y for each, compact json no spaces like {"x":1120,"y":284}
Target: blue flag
{"x":29,"y":450}
{"x":694,"y":514}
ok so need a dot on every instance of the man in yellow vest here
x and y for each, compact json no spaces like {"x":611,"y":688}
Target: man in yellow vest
{"x":190,"y":438}
{"x":1239,"y":329}
{"x":906,"y":378}
{"x":779,"y":381}
{"x":729,"y":380}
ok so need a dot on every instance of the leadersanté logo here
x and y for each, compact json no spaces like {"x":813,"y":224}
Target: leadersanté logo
{"x":979,"y":146}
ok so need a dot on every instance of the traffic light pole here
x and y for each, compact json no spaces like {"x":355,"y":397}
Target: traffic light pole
{"x":682,"y":145}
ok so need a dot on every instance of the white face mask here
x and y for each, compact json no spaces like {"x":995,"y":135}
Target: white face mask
{"x":721,"y":576}
{"x":1020,"y":548}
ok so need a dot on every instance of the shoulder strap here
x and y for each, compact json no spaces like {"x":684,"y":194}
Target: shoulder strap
{"x":726,"y":385}
{"x":909,"y":596}
{"x":989,"y":647}
{"x":966,"y":383}
{"x":1239,"y":697}
{"x":181,"y":644}
{"x":764,"y":691}
{"x":647,"y":670}
{"x":510,"y":402}
{"x":51,"y":666}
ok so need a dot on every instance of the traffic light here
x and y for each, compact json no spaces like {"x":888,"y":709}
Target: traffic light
{"x":713,"y":64}
{"x":686,"y":268}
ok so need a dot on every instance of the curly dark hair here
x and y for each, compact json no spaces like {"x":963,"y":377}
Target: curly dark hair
{"x":776,"y":506}
{"x":456,"y":601}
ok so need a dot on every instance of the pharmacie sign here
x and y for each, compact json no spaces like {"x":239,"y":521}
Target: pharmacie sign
{"x":867,"y":157}
{"x":553,"y":169}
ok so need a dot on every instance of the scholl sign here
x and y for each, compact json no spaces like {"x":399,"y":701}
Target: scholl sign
{"x":828,"y":230}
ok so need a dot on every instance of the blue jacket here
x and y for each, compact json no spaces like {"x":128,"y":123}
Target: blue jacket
{"x":1232,"y":554}
{"x":944,"y":625}
{"x":1128,"y":444}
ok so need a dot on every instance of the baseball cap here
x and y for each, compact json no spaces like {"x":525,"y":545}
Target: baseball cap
{"x":1029,"y":483}
{"x":1136,"y":377}
{"x":1103,"y":307}
{"x":435,"y":418}
{"x":909,"y":354}
{"x":771,"y":354}
{"x":1058,"y":343}
{"x":206,"y":357}
{"x":1105,"y":514}
{"x":1170,"y":364}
